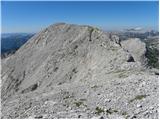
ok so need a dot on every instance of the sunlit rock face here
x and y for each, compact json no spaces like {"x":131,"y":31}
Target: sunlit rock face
{"x":78,"y":71}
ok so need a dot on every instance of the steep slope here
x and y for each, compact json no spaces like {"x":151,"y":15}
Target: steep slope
{"x":153,"y":51}
{"x":73,"y":71}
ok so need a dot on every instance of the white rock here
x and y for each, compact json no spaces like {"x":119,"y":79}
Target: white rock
{"x":139,"y":105}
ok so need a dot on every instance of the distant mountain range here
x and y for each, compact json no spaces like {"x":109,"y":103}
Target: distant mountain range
{"x":12,"y":41}
{"x":143,"y":35}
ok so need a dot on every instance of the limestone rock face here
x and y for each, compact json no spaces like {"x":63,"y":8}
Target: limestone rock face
{"x":137,"y":48}
{"x":75,"y":71}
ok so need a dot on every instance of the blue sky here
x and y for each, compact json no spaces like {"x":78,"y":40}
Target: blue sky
{"x":32,"y":16}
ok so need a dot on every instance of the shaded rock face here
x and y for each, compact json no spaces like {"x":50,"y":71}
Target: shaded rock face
{"x":73,"y":71}
{"x":152,"y":53}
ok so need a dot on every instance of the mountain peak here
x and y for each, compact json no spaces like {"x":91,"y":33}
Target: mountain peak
{"x":68,"y":68}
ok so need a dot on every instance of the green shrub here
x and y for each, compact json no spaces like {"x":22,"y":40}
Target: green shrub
{"x":78,"y":103}
{"x":99,"y":110}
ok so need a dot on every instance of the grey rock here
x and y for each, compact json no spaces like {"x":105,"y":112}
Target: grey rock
{"x":139,"y":105}
{"x":137,"y":48}
{"x":69,"y":71}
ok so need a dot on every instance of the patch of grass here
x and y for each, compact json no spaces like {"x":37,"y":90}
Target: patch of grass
{"x":67,"y":97}
{"x":78,"y":103}
{"x":39,"y":117}
{"x":95,"y":86}
{"x":113,"y":49}
{"x":84,"y":105}
{"x":117,"y":71}
{"x":124,"y":113}
{"x":109,"y":111}
{"x":115,"y":110}
{"x":83,"y":100}
{"x":99,"y":110}
{"x":138,"y":97}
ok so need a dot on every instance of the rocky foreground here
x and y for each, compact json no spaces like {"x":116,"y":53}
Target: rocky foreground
{"x":73,"y":71}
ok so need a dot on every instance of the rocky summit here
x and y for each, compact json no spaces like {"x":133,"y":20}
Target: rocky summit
{"x":79,"y":71}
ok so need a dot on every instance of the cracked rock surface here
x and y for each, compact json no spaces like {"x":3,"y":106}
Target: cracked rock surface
{"x":75,"y":71}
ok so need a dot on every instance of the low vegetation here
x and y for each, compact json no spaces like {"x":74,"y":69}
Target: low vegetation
{"x":99,"y":110}
{"x":138,"y":97}
{"x":78,"y":103}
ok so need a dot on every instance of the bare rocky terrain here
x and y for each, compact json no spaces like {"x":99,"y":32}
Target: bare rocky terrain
{"x":79,"y":71}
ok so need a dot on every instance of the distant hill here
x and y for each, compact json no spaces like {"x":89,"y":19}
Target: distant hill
{"x":143,"y":35}
{"x":10,"y":42}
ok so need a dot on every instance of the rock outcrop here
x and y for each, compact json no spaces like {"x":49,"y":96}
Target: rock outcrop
{"x":73,"y":71}
{"x":137,"y":48}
